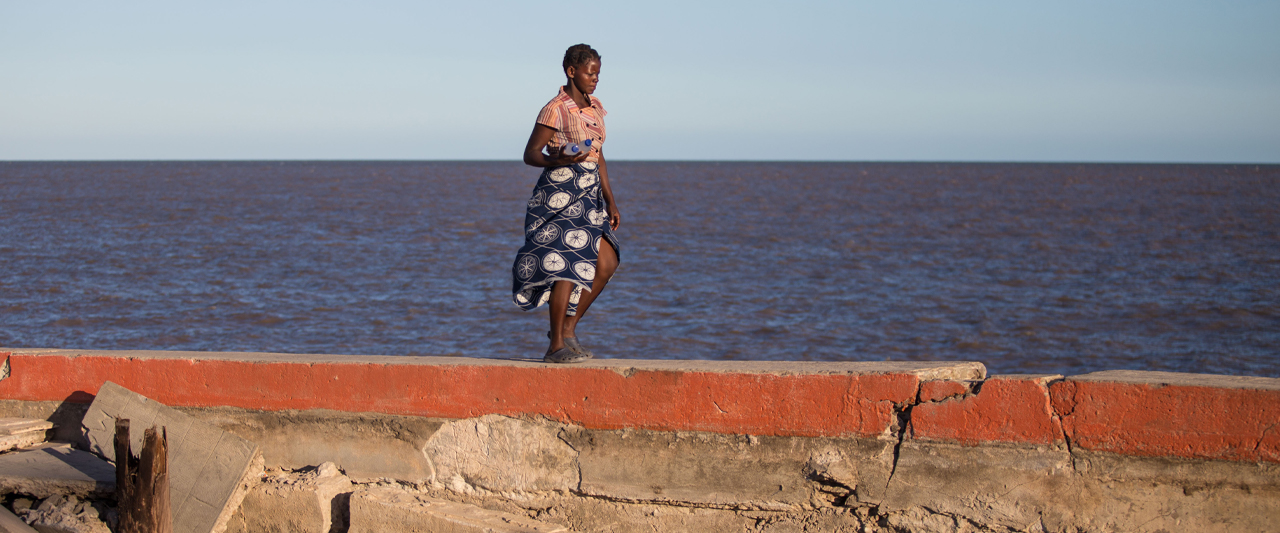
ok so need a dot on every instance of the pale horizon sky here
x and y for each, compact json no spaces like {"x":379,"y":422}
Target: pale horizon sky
{"x":1176,"y":81}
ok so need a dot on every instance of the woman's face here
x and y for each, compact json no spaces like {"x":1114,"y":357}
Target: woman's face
{"x":585,"y":77}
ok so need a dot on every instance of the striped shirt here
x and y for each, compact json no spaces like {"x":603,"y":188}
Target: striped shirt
{"x":574,"y":124}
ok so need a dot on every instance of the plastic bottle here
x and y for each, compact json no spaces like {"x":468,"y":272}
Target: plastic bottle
{"x":573,"y":149}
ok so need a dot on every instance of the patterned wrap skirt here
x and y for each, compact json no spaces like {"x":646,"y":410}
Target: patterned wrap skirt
{"x":565,"y":224}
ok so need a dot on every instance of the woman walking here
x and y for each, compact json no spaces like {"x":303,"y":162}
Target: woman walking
{"x":569,"y":250}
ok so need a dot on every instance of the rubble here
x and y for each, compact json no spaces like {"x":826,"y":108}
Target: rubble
{"x":22,"y":432}
{"x":69,"y":514}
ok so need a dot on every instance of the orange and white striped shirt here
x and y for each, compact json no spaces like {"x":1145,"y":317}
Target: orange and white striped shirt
{"x":574,"y":124}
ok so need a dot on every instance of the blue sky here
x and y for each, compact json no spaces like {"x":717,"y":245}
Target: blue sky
{"x":1167,"y":81}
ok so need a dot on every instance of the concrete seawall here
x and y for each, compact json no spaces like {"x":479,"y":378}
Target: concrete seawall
{"x":603,"y":446}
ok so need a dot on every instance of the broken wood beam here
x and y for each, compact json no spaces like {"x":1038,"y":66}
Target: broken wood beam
{"x":142,"y":483}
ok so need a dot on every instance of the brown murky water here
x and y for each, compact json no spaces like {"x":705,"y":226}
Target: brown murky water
{"x":1027,"y":267}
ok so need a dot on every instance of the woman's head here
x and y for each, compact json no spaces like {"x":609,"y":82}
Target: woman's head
{"x":582,"y":67}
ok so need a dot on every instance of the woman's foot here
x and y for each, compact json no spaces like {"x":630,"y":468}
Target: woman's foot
{"x":565,"y":355}
{"x":572,"y":342}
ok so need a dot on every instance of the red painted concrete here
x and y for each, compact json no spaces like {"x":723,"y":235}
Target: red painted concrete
{"x":1171,"y":420}
{"x":1226,"y":419}
{"x":938,"y":390}
{"x":742,"y":403}
{"x":1005,"y":409}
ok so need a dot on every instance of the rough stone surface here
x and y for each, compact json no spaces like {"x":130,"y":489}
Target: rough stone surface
{"x":1011,"y":408}
{"x":207,"y":466}
{"x":364,"y":445}
{"x":1194,"y":416}
{"x":380,"y":509}
{"x":312,"y":500}
{"x":55,"y":469}
{"x":501,"y":454}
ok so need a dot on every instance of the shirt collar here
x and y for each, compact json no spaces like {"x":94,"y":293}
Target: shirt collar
{"x":572,"y":105}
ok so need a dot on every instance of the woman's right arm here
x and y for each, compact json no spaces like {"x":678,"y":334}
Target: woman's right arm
{"x":533,"y":155}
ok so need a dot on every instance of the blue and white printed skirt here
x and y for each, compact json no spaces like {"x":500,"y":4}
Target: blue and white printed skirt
{"x":563,"y":229}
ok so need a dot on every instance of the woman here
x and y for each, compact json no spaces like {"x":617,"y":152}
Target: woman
{"x":569,"y":250}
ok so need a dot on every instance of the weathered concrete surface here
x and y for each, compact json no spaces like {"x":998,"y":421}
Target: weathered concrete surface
{"x":1168,"y":414}
{"x":56,"y":469}
{"x":10,"y":523}
{"x":730,"y":471}
{"x":65,"y":416}
{"x":759,"y":398}
{"x":364,"y":445}
{"x":312,"y":501}
{"x":208,"y":467}
{"x":605,"y":516}
{"x":1042,"y":489}
{"x":1012,"y":408}
{"x":18,"y":432}
{"x":502,"y":454}
{"x":1014,"y":487}
{"x":380,"y":509}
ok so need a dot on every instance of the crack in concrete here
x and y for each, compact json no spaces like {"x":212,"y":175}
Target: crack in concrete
{"x":903,"y":414}
{"x":1263,"y":437}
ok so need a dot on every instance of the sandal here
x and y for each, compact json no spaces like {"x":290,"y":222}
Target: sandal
{"x":572,"y":342}
{"x":565,"y":355}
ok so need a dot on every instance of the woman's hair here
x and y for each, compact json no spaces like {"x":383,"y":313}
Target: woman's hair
{"x":578,"y":55}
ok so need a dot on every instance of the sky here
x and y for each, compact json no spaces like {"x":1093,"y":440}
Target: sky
{"x":1130,"y":81}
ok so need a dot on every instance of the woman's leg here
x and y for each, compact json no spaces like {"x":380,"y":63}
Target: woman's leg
{"x":606,"y":264}
{"x":559,"y":304}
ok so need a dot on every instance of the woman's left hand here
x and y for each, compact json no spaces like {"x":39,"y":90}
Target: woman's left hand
{"x":615,"y":218}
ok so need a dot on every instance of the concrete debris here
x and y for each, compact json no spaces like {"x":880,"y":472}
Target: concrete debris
{"x":208,"y":467}
{"x":15,"y":426}
{"x":383,"y":508}
{"x":22,"y":432}
{"x":69,"y":514}
{"x":309,"y":500}
{"x":501,"y":454}
{"x":56,"y":469}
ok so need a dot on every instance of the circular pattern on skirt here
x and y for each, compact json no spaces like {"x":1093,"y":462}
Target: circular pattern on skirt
{"x":525,"y":267}
{"x":559,"y":200}
{"x":577,"y":238}
{"x":547,"y":234}
{"x":560,"y":175}
{"x":585,"y":270}
{"x":553,"y":262}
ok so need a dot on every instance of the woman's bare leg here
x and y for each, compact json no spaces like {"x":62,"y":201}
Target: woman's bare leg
{"x":606,"y":264}
{"x":559,"y":303}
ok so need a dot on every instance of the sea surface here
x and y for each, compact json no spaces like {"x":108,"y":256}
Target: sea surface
{"x":1053,"y":268}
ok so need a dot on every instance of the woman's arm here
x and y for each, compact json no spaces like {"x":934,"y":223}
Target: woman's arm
{"x":533,"y":155}
{"x":615,"y":217}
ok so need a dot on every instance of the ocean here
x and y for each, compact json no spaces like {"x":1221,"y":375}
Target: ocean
{"x":1028,"y":268}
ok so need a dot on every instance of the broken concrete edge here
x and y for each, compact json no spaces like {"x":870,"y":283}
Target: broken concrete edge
{"x":1154,"y":414}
